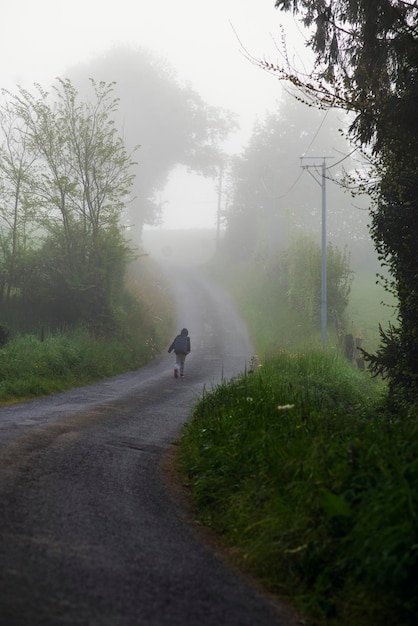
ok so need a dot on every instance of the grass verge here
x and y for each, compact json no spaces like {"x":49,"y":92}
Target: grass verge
{"x":297,"y":468}
{"x":32,"y":366}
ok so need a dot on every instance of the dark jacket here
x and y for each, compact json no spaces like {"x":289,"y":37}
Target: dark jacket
{"x":183,"y":346}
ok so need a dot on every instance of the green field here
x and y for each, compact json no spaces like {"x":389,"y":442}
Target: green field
{"x":369,"y":306}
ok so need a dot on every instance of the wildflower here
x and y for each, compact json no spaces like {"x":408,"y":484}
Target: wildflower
{"x":285,"y":407}
{"x":249,"y":399}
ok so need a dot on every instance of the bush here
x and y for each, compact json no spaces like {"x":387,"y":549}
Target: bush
{"x":30,"y":367}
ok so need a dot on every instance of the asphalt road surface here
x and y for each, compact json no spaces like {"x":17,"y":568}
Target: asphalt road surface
{"x":89,"y":532}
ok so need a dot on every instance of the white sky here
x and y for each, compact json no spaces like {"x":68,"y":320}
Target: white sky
{"x":41,"y":38}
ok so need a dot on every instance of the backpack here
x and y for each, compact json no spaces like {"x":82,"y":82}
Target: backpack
{"x":181,"y":344}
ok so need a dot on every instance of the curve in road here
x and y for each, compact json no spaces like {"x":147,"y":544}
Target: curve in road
{"x":89,"y":534}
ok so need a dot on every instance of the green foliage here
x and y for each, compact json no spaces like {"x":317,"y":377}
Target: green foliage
{"x":301,"y":269}
{"x":66,"y":177}
{"x":281,"y":297}
{"x":33,"y":365}
{"x":89,"y":294}
{"x":394,"y":229}
{"x":31,"y":368}
{"x":258,"y":290}
{"x":367,"y":62}
{"x":298,"y":469}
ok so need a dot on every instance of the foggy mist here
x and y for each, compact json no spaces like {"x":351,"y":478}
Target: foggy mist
{"x":173,"y":67}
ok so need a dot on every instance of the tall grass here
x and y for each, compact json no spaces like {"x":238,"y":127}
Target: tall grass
{"x":30,"y":367}
{"x":298,"y":469}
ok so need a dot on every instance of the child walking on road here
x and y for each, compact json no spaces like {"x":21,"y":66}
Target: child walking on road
{"x":181,"y":347}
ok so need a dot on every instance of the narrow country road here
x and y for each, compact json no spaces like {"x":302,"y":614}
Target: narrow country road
{"x":89,"y":533}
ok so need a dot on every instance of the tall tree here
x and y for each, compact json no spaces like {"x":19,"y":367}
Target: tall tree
{"x":367,"y":62}
{"x":272,"y":198}
{"x":168,"y":119}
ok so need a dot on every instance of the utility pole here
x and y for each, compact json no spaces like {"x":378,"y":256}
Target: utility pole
{"x":218,"y":215}
{"x":323,"y":238}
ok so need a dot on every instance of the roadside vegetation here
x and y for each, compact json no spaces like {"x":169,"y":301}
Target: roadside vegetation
{"x":48,"y":361}
{"x":79,"y":300}
{"x":301,"y":469}
{"x":307,"y":467}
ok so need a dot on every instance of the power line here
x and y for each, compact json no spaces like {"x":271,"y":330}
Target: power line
{"x":291,"y":187}
{"x":347,"y":156}
{"x":317,"y":132}
{"x":307,"y":149}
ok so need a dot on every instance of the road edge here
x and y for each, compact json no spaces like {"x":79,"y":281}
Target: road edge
{"x":180,"y":494}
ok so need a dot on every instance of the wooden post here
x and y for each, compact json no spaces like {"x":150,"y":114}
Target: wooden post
{"x":349,"y":347}
{"x":357,"y":354}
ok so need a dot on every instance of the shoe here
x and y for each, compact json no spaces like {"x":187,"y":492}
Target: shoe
{"x":181,"y":375}
{"x":176,"y":373}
